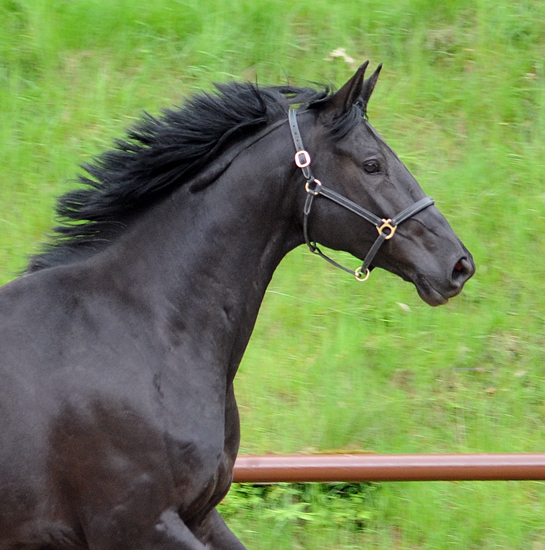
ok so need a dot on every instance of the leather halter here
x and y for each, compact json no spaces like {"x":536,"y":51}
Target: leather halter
{"x":386,"y":227}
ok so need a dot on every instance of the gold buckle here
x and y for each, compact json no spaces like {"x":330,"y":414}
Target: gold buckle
{"x":386,"y":224}
{"x":306,"y":159}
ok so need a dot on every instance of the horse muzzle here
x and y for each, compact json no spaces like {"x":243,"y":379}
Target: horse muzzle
{"x":436,"y":291}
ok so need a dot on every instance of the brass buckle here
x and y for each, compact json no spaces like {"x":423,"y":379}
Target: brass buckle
{"x":360,"y":276}
{"x":386,"y":224}
{"x":305,"y":161}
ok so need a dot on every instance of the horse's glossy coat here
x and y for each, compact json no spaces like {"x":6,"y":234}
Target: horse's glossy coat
{"x":119,"y":346}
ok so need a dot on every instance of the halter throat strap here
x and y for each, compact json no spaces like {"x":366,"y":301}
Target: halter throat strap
{"x":386,"y":227}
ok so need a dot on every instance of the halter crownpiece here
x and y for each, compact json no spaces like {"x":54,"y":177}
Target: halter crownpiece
{"x":386,"y":227}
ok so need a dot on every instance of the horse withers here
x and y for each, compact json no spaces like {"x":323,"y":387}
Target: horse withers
{"x":120,"y":344}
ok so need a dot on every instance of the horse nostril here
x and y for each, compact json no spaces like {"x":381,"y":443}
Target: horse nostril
{"x":463,"y":270}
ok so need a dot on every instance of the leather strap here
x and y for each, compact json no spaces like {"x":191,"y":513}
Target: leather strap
{"x":385,"y":227}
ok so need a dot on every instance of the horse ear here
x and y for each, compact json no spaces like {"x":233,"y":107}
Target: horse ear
{"x":369,"y":86}
{"x":343,"y":100}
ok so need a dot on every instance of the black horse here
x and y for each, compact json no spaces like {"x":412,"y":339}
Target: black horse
{"x":119,"y":426}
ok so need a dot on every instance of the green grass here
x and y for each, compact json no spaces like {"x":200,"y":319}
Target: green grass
{"x":334,"y":364}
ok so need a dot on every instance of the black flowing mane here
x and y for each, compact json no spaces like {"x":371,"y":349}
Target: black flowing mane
{"x":160,"y":154}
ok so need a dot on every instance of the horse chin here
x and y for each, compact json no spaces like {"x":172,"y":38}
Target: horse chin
{"x":430,"y":295}
{"x":425,"y":289}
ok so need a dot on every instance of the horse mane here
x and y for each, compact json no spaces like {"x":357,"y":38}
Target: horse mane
{"x":157,"y":156}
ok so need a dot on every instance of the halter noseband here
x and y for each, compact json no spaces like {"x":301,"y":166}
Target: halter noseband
{"x":386,"y":227}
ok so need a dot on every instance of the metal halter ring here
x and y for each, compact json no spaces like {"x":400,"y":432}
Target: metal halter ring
{"x":387,"y":224}
{"x":361,"y":277}
{"x":316,"y":190}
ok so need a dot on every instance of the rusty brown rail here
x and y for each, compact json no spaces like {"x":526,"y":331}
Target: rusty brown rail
{"x":374,"y":467}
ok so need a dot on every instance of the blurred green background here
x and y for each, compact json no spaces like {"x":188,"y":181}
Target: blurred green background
{"x":334,"y":364}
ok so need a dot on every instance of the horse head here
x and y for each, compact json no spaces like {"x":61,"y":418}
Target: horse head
{"x":366,"y":201}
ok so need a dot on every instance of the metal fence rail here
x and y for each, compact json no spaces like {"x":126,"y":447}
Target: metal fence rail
{"x":374,"y":467}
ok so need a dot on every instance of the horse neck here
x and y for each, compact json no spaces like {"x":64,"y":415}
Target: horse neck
{"x":202,"y":261}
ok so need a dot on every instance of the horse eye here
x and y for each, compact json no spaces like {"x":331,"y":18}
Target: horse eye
{"x":371,"y":167}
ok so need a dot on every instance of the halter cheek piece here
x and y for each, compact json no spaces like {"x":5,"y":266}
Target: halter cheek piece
{"x":386,"y":227}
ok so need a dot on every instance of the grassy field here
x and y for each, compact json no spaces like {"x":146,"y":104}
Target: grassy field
{"x":334,"y":364}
